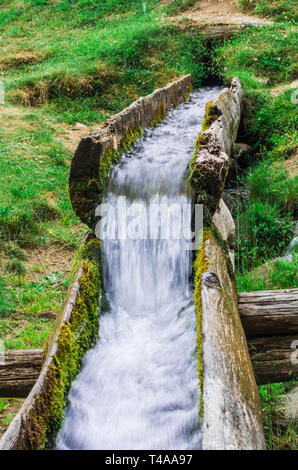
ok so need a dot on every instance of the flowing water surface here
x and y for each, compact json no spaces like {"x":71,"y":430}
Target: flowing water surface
{"x":138,"y":387}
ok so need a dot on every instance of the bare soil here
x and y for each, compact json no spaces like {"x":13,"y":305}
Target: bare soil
{"x":220,"y":12}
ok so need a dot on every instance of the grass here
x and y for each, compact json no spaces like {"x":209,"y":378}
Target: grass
{"x":8,"y":408}
{"x":280,"y":430}
{"x":266,"y":225}
{"x":103,"y":61}
{"x":281,"y":274}
{"x":83,"y":60}
{"x":110,"y":53}
{"x":34,"y":213}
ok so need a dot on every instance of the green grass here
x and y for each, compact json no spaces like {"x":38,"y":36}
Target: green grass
{"x":282,"y":274}
{"x":8,"y":409}
{"x":176,"y":6}
{"x":270,"y":126}
{"x":84,"y":60}
{"x":264,"y":58}
{"x":35,"y":213}
{"x":280,"y":430}
{"x":103,"y":60}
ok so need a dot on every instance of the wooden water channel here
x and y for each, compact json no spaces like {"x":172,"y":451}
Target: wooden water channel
{"x":245,"y":339}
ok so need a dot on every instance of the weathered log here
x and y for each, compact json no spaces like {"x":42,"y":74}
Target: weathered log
{"x":274,"y":358}
{"x":231,"y":408}
{"x":269,"y":313}
{"x":210,"y":162}
{"x":221,"y":31}
{"x":19,"y":372}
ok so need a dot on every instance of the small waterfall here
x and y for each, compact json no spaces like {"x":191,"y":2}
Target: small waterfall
{"x":138,"y":387}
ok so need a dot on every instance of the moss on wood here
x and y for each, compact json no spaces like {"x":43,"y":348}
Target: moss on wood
{"x":211,"y":114}
{"x":75,"y":338}
{"x":200,"y":266}
{"x":159,"y":115}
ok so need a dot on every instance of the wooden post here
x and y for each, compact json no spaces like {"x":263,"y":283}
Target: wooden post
{"x":19,"y":372}
{"x":269,"y":313}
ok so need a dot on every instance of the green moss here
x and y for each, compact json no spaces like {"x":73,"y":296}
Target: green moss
{"x":200,"y":266}
{"x":159,"y":115}
{"x":212,"y":113}
{"x":188,"y":91}
{"x":111,"y":156}
{"x":75,"y":338}
{"x":82,"y":194}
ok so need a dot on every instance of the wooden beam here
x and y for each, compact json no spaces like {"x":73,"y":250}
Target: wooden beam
{"x":19,"y":372}
{"x":269,"y":313}
{"x":274,"y":358}
{"x":230,"y":403}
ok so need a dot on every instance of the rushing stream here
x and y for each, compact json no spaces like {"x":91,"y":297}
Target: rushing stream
{"x":138,"y":387}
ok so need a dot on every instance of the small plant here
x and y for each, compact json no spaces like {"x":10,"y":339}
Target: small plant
{"x":43,"y":211}
{"x":280,"y":10}
{"x":6,"y":299}
{"x":270,"y":181}
{"x":262,"y":234}
{"x":282,"y":274}
{"x":14,"y":251}
{"x":176,"y":6}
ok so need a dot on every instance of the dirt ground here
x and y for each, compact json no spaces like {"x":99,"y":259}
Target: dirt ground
{"x":220,"y":12}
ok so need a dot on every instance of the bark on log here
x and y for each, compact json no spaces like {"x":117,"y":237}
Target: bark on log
{"x":269,"y":313}
{"x":19,"y":372}
{"x":231,"y":408}
{"x":274,"y":359}
{"x":210,"y":162}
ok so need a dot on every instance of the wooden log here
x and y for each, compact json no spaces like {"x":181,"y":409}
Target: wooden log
{"x":269,"y":313}
{"x":231,"y":408}
{"x":274,"y":359}
{"x":19,"y":372}
{"x":221,"y":31}
{"x":210,"y":162}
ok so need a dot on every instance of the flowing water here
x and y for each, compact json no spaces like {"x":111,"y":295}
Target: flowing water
{"x":138,"y":387}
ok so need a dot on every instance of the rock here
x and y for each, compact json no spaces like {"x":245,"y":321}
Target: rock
{"x":236,"y":200}
{"x":243,"y":154}
{"x":48,"y":315}
{"x":224,"y":223}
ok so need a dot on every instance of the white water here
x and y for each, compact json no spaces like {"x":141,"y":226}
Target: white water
{"x":138,"y":388}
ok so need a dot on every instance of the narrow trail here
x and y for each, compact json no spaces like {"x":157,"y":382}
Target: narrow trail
{"x":138,"y":388}
{"x":212,"y":12}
